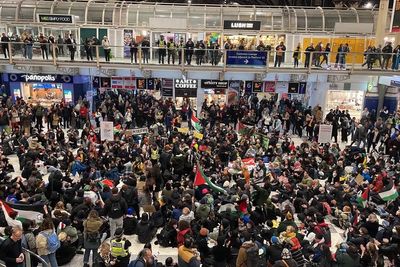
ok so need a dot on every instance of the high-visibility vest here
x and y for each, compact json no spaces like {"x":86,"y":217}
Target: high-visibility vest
{"x":118,"y":248}
{"x":161,"y":43}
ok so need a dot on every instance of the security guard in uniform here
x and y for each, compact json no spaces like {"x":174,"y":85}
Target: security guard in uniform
{"x":162,"y":45}
{"x":119,"y":248}
{"x":171,"y":51}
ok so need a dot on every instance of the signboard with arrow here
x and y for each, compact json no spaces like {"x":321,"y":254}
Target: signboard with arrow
{"x":246,"y":58}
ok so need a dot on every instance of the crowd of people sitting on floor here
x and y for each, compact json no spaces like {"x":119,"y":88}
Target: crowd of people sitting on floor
{"x":234,"y":190}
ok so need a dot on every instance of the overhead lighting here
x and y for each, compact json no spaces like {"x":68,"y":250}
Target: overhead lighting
{"x":368,"y":5}
{"x":189,"y":2}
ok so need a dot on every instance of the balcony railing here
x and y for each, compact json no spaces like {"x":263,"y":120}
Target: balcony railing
{"x":183,"y":58}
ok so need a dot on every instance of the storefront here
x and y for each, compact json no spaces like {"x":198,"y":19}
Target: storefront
{"x":185,"y":91}
{"x":241,"y":33}
{"x":45,"y":89}
{"x":215,"y":91}
{"x":351,"y":100}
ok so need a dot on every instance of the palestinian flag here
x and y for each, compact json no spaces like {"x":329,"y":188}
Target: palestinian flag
{"x":244,"y":129}
{"x":390,"y":193}
{"x":201,"y":179}
{"x":195,"y":123}
{"x":249,"y":163}
{"x":22,"y":212}
{"x":362,"y":198}
{"x":264,"y":140}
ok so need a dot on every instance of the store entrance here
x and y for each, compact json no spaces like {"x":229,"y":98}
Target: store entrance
{"x":248,"y":42}
{"x":44,"y":93}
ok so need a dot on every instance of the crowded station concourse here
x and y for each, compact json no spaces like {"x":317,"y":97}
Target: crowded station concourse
{"x":246,"y":185}
{"x":180,"y":172}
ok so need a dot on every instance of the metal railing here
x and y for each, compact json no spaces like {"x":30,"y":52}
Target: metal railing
{"x":28,"y":256}
{"x":141,"y":56}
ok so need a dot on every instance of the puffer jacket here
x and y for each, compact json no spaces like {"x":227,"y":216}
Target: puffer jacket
{"x":241,"y":260}
{"x":187,"y":257}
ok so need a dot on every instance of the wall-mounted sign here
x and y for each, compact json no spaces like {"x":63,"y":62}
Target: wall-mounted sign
{"x":395,"y":83}
{"x":248,"y":87}
{"x":214,"y":84}
{"x":269,"y":86}
{"x":257,"y":87}
{"x":126,"y":83}
{"x":55,"y":18}
{"x":302,"y":88}
{"x":242,"y":25}
{"x":293,"y":88}
{"x":141,"y":83}
{"x":243,"y":58}
{"x":40,"y":78}
{"x":185,"y":84}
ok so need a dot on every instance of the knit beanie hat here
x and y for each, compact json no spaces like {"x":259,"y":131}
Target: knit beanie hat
{"x":286,"y":254}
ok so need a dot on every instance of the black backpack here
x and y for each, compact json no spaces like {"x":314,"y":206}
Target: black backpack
{"x":92,"y":237}
{"x":116,"y":207}
{"x":253,"y":259}
{"x":163,"y":237}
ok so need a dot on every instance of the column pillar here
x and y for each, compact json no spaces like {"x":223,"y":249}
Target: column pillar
{"x":380,"y":29}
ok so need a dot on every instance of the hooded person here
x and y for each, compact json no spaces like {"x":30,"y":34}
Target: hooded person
{"x":273,"y":252}
{"x":145,"y":229}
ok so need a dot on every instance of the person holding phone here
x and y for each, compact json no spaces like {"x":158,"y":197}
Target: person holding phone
{"x":11,"y":249}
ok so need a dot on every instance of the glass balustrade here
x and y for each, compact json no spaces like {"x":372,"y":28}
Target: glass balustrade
{"x":123,"y":56}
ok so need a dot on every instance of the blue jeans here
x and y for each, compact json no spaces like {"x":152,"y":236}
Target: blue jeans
{"x":29,"y":51}
{"x":51,"y":259}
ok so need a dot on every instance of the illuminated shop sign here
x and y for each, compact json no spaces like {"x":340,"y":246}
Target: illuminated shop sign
{"x":55,"y":18}
{"x":242,"y":25}
{"x":213,"y":84}
{"x":185,"y":84}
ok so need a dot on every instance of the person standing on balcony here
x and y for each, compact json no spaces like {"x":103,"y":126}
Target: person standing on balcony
{"x":28,"y":46}
{"x":317,"y":55}
{"x":280,"y":54}
{"x":395,"y":58}
{"x":4,"y":44}
{"x":133,"y":50}
{"x":60,"y":45}
{"x":378,"y":55}
{"x":307,"y":53}
{"x":145,"y":50}
{"x":88,"y":48}
{"x":325,"y":55}
{"x":296,"y":56}
{"x":71,"y":43}
{"x":52,"y":42}
{"x":200,"y":52}
{"x":43,"y":46}
{"x":107,"y":48}
{"x":181,"y":45}
{"x":387,"y":54}
{"x":214,"y":53}
{"x":161,"y":49}
{"x":189,"y":51}
{"x":171,"y":51}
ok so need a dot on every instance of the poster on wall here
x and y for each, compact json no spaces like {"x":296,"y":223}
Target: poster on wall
{"x":67,"y":95}
{"x":129,"y":83}
{"x":128,"y":34}
{"x":233,"y":92}
{"x":269,"y":87}
{"x":281,"y":87}
{"x":257,"y":87}
{"x":105,"y":83}
{"x":141,"y":83}
{"x":325,"y":133}
{"x":293,"y":88}
{"x":167,"y":88}
{"x":150,"y":83}
{"x":107,"y":131}
{"x":117,"y":82}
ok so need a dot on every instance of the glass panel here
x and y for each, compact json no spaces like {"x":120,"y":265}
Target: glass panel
{"x":144,"y":15}
{"x":78,"y":13}
{"x":348,"y":16}
{"x":314,"y":23}
{"x":246,"y":15}
{"x":179,"y":12}
{"x":26,"y":13}
{"x":213,"y":17}
{"x":196,"y":21}
{"x":366,"y":17}
{"x":265,"y":18}
{"x":95,"y":15}
{"x":301,"y":20}
{"x":331,"y":17}
{"x":277,"y":22}
{"x":163,"y":12}
{"x":108,"y":16}
{"x":132,"y":14}
{"x":8,"y":13}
